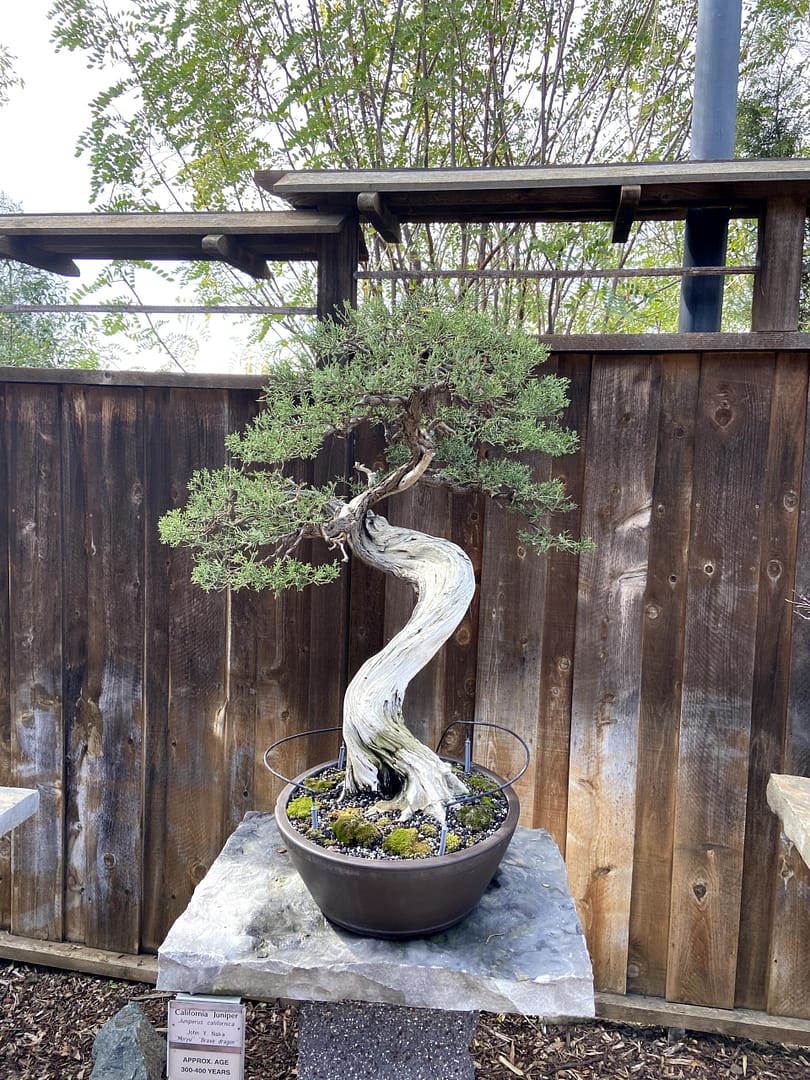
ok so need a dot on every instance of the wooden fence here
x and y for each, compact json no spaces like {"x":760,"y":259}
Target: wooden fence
{"x":658,"y":681}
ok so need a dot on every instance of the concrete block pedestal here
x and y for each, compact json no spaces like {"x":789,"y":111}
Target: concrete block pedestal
{"x":252,"y":929}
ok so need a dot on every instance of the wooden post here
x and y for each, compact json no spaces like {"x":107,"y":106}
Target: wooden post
{"x":338,"y":255}
{"x":777,"y":283}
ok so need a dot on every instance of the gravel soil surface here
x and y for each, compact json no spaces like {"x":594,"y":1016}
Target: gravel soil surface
{"x":49,"y":1019}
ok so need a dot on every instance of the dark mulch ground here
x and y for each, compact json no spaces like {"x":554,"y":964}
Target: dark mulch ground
{"x":49,"y":1019}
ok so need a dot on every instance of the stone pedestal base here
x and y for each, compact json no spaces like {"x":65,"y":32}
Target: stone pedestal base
{"x":357,"y":1041}
{"x":252,"y":929}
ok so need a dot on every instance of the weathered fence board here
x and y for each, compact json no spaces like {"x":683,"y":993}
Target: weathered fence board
{"x":771,"y":672}
{"x":103,"y":483}
{"x":658,"y":681}
{"x":188,"y":671}
{"x":553,"y":730}
{"x":35,"y":683}
{"x":625,"y":402}
{"x":662,"y":663}
{"x":730,"y":457}
{"x":510,"y":636}
{"x":6,"y":758}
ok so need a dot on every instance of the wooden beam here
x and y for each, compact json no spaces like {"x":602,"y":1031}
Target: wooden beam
{"x":267,"y":178}
{"x":620,"y":344}
{"x":621,"y":1008}
{"x":24,"y":251}
{"x":242,"y":223}
{"x":777,"y":286}
{"x":551,"y":193}
{"x":229,"y":250}
{"x":53,"y":241}
{"x":69,"y":956}
{"x":629,"y":200}
{"x":371,"y":205}
{"x":741,"y":1023}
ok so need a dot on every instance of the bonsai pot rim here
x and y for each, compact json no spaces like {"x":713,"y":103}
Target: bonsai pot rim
{"x":394,"y":865}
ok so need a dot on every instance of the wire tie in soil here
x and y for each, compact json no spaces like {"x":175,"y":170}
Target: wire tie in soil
{"x":443,"y":838}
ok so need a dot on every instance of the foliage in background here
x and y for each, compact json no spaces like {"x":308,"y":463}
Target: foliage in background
{"x":41,"y":339}
{"x":206,"y":91}
{"x":773,"y":114}
{"x":8,"y":78}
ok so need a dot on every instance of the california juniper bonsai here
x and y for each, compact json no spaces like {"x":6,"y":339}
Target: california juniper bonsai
{"x":460,"y":402}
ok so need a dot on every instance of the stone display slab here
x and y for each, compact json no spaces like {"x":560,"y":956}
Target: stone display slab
{"x":789,"y":798}
{"x":252,"y":929}
{"x":16,"y":804}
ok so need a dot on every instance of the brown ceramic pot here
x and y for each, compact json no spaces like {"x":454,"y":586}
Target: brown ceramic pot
{"x":389,"y":898}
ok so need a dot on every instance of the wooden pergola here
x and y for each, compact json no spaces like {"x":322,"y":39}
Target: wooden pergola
{"x":659,"y":683}
{"x":328,"y":208}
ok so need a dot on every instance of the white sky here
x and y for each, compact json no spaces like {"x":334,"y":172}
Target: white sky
{"x":39,"y":169}
{"x":40,"y":126}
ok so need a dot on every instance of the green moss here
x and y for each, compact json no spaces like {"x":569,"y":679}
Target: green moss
{"x":325,"y":783}
{"x":352,"y":830}
{"x":300,"y":809}
{"x":452,"y":842}
{"x":428,"y":830}
{"x":476,"y":782}
{"x":406,"y":844}
{"x":476,"y":816}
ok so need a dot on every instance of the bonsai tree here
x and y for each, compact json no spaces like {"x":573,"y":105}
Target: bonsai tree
{"x":458,"y":400}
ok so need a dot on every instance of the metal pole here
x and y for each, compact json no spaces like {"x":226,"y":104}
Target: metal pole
{"x":714,"y":120}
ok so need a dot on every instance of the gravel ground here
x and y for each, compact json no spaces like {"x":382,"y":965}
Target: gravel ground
{"x":49,"y":1019}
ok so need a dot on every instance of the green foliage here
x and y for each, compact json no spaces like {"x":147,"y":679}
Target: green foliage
{"x":8,"y":78}
{"x":458,"y":396}
{"x":205,"y":91}
{"x":41,"y":339}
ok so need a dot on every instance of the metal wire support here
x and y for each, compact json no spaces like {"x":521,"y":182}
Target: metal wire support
{"x":290,"y":738}
{"x":575,"y":273}
{"x":468,"y":763}
{"x":506,"y":783}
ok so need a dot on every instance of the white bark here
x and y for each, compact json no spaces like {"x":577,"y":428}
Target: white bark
{"x":374,"y":730}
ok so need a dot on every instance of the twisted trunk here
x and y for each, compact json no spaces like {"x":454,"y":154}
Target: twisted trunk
{"x":382,"y":754}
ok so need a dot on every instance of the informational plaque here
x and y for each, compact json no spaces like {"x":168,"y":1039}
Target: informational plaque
{"x":206,"y":1038}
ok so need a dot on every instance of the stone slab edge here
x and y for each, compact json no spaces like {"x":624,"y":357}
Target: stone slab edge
{"x":16,"y":804}
{"x":789,"y":798}
{"x":252,"y":929}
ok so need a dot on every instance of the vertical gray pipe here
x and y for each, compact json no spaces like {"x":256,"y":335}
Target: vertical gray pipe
{"x":714,"y":120}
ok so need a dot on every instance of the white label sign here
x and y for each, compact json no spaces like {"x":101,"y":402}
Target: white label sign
{"x":206,"y":1039}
